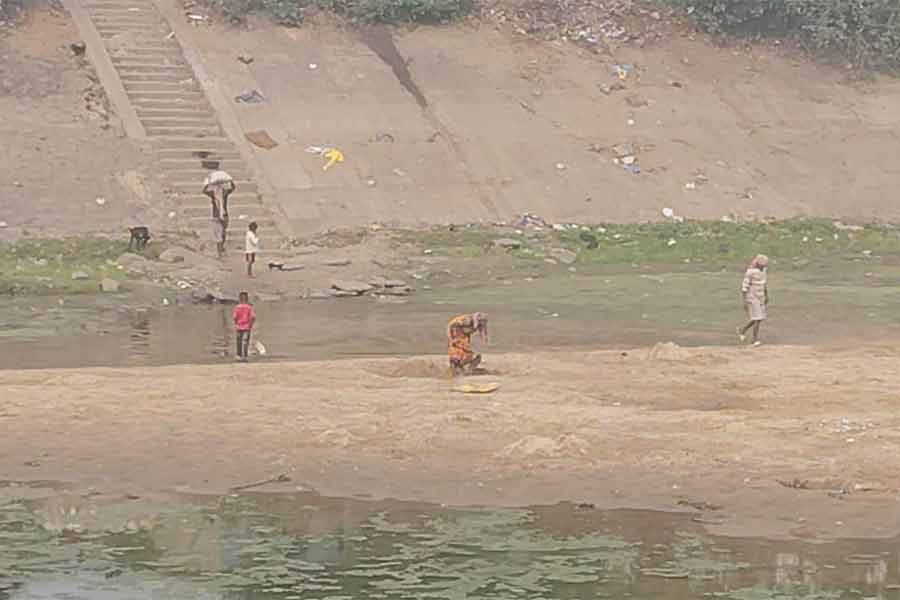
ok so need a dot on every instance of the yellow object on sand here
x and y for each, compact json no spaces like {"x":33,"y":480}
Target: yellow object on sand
{"x":475,"y":388}
{"x":334,"y":156}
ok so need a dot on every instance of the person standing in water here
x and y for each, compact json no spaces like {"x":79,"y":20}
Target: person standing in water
{"x":755,"y":292}
{"x":244,"y":318}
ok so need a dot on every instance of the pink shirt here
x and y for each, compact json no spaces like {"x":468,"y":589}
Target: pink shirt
{"x":243,"y":316}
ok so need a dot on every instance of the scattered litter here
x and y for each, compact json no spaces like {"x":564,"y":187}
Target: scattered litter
{"x":3,"y":224}
{"x":676,"y":84}
{"x":609,"y":88}
{"x":280,"y":266}
{"x":316,"y":149}
{"x":279,"y":479}
{"x":78,"y":48}
{"x":313,"y":66}
{"x":384,"y":138}
{"x":399,"y":172}
{"x":622,"y":71}
{"x":80,"y":275}
{"x":183,"y":285}
{"x":433,"y":137}
{"x":242,"y":217}
{"x":17,"y":183}
{"x":529,"y":219}
{"x":668,"y":213}
{"x":635,"y":101}
{"x":867,"y":253}
{"x":165,"y":301}
{"x":250,"y":97}
{"x":100,"y":201}
{"x":621,"y":150}
{"x":690,"y":185}
{"x":171,"y":35}
{"x":371,"y":182}
{"x":671,"y":242}
{"x":261,"y":138}
{"x":631,"y":122}
{"x":171,"y":214}
{"x":260,"y":348}
{"x":333,"y":156}
{"x":527,"y":107}
{"x":196,"y":17}
{"x":560,"y":166}
{"x":245,"y":58}
{"x":477,"y":388}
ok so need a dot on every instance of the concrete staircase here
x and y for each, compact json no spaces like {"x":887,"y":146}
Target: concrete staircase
{"x":187,"y":139}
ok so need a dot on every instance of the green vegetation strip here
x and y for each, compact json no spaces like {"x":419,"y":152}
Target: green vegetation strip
{"x":695,"y":242}
{"x":55,"y":266}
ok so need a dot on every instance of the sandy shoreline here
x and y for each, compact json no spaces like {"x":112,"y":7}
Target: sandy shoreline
{"x":709,"y":430}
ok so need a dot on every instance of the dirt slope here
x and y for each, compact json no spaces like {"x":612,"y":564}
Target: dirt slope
{"x":60,"y":146}
{"x":643,"y":428}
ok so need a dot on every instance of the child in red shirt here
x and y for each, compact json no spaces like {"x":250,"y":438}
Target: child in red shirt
{"x":244,"y":317}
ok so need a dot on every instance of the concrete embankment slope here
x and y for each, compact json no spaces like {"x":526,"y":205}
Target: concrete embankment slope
{"x":457,"y":124}
{"x":637,"y":428}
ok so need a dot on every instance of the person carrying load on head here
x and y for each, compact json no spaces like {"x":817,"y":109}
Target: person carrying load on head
{"x":459,"y":334}
{"x":218,"y":185}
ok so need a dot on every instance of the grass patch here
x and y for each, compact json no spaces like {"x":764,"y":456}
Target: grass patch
{"x":695,"y":242}
{"x":45,"y":266}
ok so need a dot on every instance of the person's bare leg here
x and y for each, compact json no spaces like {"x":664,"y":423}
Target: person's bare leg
{"x":756,"y":325}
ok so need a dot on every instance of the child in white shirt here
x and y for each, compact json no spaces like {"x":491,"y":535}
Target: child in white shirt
{"x":251,"y":247}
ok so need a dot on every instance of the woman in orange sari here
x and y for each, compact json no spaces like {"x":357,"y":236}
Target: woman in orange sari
{"x":459,"y":334}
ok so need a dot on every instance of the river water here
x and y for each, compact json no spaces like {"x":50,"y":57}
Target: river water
{"x":596,"y":310}
{"x":303,"y":546}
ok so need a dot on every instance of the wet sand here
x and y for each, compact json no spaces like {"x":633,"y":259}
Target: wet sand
{"x":705,"y":430}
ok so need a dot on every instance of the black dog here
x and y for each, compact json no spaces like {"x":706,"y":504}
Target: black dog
{"x":139,"y":238}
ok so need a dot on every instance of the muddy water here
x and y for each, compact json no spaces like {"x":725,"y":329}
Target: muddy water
{"x":303,"y":546}
{"x":581,"y":310}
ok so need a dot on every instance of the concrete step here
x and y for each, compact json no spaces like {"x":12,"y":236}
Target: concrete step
{"x":186,"y":79}
{"x":168,"y":99}
{"x":126,"y":19}
{"x":194,"y":185}
{"x":167,"y":123}
{"x":161,"y":49}
{"x":176,"y":72}
{"x":193,"y":171}
{"x":253,"y":212}
{"x":109,"y":31}
{"x":113,"y":12}
{"x":137,"y":88}
{"x":235,"y":223}
{"x":110,"y":5}
{"x":199,"y":132}
{"x":174,"y":113}
{"x":198,"y":198}
{"x":157,"y":60}
{"x":218,"y":144}
{"x":176,"y":158}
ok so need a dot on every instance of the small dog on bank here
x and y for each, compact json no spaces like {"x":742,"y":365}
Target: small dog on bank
{"x":139,"y":238}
